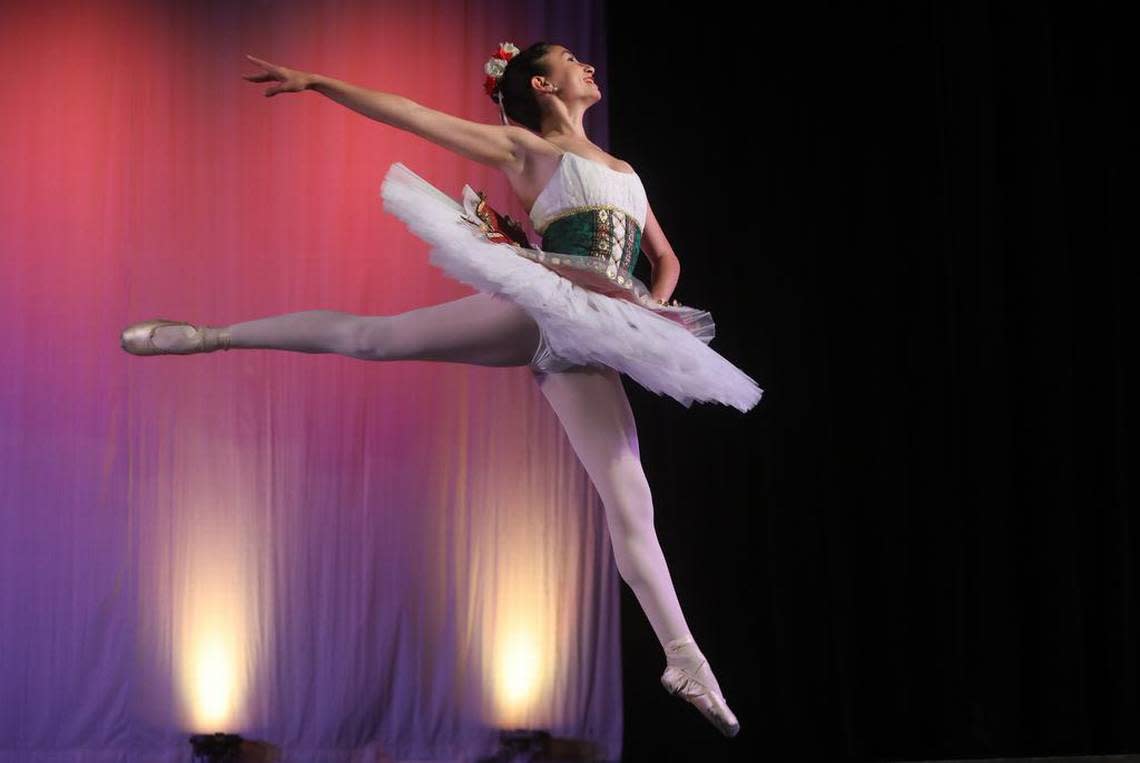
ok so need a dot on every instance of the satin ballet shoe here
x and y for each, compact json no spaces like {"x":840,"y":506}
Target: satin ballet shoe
{"x":706,"y":699}
{"x":138,"y":339}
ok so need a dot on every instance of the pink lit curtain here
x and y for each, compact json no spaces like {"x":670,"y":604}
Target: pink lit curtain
{"x":339,"y":560}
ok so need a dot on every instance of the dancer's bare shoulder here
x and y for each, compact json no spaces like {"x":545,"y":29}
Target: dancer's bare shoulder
{"x":537,"y":158}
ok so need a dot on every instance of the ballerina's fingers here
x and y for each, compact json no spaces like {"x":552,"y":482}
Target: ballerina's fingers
{"x":274,"y":73}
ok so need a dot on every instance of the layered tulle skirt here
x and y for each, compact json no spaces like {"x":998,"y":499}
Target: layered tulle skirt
{"x":586,"y":318}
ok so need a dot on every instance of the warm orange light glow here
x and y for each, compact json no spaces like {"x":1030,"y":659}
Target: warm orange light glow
{"x":212,"y":681}
{"x":214,"y":597}
{"x":521,"y":632}
{"x":518,"y":670}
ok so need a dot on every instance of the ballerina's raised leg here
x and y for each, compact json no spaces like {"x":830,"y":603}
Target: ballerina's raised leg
{"x":480,"y":329}
{"x":595,"y":413}
{"x":590,"y":403}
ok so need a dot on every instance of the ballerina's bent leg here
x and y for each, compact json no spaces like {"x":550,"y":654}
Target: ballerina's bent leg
{"x":595,"y":413}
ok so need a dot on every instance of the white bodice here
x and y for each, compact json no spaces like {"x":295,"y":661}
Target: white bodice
{"x":580,"y":182}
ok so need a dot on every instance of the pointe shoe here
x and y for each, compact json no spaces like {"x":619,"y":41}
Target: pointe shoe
{"x":706,"y":699}
{"x":138,"y":339}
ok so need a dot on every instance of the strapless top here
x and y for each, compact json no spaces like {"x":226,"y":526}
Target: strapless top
{"x":582,"y":183}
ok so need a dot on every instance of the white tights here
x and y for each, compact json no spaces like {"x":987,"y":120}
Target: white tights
{"x":590,"y":403}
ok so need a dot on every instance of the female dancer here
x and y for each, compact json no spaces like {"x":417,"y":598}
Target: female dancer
{"x":571,"y":311}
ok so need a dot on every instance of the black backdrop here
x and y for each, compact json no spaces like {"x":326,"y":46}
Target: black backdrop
{"x":904,"y":217}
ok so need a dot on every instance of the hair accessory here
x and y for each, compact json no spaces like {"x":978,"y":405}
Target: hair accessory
{"x":494,"y":68}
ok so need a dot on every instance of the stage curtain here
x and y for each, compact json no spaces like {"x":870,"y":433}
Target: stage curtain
{"x":339,"y":560}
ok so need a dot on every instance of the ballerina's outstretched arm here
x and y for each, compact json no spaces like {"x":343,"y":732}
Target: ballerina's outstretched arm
{"x":499,"y":146}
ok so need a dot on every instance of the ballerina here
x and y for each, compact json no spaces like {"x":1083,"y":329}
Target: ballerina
{"x":570,"y":310}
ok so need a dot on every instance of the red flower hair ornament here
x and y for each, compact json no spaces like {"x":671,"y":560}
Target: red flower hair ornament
{"x":494,"y":68}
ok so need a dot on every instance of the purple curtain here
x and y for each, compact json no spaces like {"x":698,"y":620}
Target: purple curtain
{"x":339,"y":560}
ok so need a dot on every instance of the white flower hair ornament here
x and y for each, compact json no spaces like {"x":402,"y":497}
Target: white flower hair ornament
{"x":494,"y":68}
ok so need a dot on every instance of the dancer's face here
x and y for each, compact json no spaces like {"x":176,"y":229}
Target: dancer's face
{"x":574,"y":78}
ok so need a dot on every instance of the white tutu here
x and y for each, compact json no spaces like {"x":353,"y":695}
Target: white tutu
{"x":664,"y":349}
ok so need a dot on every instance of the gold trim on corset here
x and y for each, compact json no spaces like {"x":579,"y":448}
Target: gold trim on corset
{"x":576,"y":210}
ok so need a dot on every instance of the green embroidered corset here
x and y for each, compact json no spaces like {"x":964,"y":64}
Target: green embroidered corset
{"x":593,"y":216}
{"x":607,"y":240}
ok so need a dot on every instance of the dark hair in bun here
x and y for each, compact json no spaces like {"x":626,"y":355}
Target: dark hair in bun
{"x":519,"y":100}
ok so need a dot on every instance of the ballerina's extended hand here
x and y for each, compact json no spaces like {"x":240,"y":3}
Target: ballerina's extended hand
{"x":292,"y":80}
